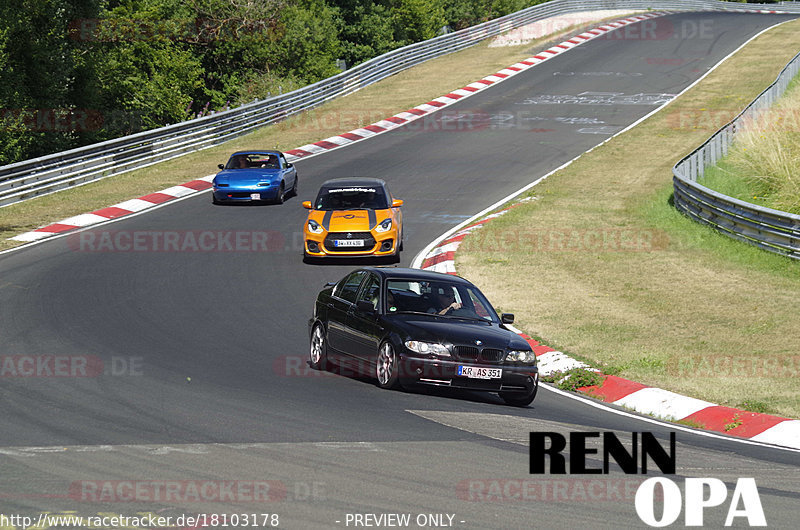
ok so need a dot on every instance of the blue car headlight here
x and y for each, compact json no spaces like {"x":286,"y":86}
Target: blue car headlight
{"x":428,"y":348}
{"x":314,"y":227}
{"x":521,"y":356}
{"x":384,"y":226}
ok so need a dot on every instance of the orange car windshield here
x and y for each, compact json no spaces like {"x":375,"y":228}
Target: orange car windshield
{"x":351,"y":198}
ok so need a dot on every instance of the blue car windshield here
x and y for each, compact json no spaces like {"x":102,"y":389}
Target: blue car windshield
{"x":253,"y":160}
{"x":351,"y":198}
{"x":439,"y":298}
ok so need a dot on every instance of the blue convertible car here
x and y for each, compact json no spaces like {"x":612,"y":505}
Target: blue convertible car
{"x":255,"y":176}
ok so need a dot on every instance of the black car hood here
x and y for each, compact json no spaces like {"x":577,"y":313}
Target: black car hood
{"x":448,"y":330}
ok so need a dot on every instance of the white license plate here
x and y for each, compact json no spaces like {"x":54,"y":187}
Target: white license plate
{"x":475,"y":372}
{"x":349,"y":242}
{"x":255,"y":196}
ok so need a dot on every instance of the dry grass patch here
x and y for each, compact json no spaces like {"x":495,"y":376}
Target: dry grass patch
{"x":625,"y":281}
{"x":402,"y":91}
{"x":762,"y":164}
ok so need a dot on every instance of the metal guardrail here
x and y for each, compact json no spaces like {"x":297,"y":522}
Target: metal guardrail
{"x":766,"y":228}
{"x":48,"y":174}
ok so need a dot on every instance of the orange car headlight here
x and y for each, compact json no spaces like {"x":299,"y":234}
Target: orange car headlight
{"x":314,"y":227}
{"x":384,"y":226}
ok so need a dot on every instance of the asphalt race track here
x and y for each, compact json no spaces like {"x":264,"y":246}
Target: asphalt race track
{"x":200,"y":356}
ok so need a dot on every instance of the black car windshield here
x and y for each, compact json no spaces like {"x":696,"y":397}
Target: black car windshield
{"x":253,"y":160}
{"x":439,"y":298}
{"x":351,"y":198}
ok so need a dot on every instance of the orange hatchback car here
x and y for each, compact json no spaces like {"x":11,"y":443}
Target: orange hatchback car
{"x":353,"y":217}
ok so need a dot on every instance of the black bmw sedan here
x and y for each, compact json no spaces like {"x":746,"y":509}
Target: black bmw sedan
{"x":410,"y":327}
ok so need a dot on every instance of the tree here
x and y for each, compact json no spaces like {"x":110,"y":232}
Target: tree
{"x":147,"y":83}
{"x":145,"y":76}
{"x":367,"y":30}
{"x":41,"y":77}
{"x":236,"y":41}
{"x":308,"y":43}
{"x":417,"y":20}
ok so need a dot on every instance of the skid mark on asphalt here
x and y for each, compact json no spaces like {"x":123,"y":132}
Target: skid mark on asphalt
{"x":349,"y":446}
{"x":188,"y":449}
{"x":599,"y":98}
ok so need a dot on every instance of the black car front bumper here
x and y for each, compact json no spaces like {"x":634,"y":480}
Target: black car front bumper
{"x":444,"y":373}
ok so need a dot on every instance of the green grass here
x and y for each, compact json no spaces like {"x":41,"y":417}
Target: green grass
{"x":691,"y":423}
{"x":728,"y":180}
{"x":573,"y":379}
{"x":692,"y":236}
{"x":761,"y":166}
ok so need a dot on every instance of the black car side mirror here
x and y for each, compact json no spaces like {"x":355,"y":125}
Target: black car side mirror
{"x":220,"y":166}
{"x":507,"y":318}
{"x":366,"y":306}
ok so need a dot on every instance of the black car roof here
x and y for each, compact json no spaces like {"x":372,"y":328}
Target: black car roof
{"x":403,"y":273}
{"x":354,"y":181}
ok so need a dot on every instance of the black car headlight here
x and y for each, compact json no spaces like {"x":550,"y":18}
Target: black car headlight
{"x":428,"y":348}
{"x":521,"y":356}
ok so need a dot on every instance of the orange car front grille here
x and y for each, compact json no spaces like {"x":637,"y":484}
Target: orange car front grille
{"x":366,"y":237}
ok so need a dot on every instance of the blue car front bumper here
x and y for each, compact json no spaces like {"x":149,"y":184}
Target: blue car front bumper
{"x":246,"y":193}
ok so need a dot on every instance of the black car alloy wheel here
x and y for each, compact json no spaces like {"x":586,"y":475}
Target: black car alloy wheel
{"x":318,"y":354}
{"x":387,"y":370}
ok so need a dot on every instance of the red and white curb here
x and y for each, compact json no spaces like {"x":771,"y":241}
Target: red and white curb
{"x":334,"y":142}
{"x":657,"y":402}
{"x":118,"y":210}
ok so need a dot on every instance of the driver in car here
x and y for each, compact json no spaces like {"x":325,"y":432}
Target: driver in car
{"x":446,"y":300}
